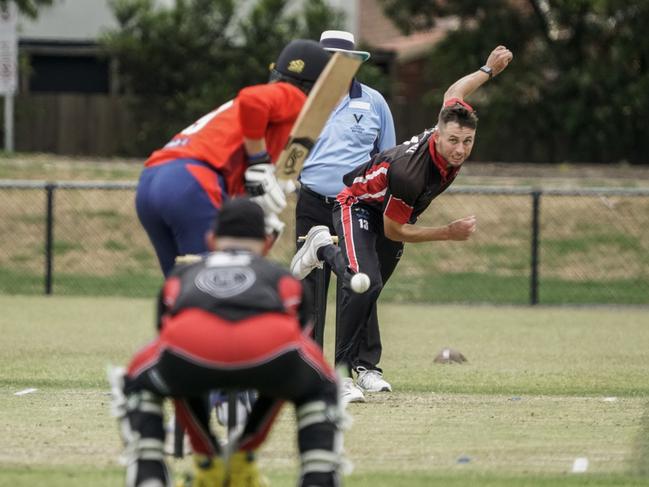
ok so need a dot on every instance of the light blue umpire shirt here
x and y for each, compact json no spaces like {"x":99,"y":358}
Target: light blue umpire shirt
{"x":359,"y":127}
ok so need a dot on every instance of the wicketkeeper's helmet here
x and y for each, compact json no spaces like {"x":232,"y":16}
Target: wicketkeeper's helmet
{"x":300,"y":63}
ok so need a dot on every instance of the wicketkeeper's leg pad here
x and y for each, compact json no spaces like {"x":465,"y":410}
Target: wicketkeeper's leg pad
{"x":118,"y":401}
{"x":144,"y":451}
{"x":320,"y":440}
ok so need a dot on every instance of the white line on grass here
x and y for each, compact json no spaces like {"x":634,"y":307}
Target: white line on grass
{"x":25,"y":391}
{"x":580,"y":465}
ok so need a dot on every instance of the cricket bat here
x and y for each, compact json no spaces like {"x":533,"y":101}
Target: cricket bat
{"x":331,"y":86}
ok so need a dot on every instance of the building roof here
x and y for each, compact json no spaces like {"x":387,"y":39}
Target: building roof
{"x":414,"y":46}
{"x":379,"y":32}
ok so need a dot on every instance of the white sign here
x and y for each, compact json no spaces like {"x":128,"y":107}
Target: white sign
{"x":8,"y":49}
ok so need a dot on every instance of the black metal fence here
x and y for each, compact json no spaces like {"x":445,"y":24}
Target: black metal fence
{"x":546,"y":246}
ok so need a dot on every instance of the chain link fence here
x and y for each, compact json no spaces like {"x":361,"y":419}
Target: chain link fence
{"x":532,"y":246}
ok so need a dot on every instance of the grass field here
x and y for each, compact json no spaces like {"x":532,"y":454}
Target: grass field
{"x":542,"y":387}
{"x":589,"y":252}
{"x":54,"y":167}
{"x":593,"y":249}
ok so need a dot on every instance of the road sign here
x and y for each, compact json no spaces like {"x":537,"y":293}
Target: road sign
{"x":8,"y":49}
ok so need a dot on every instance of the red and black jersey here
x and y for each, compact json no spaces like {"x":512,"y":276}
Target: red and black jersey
{"x":400,"y":182}
{"x":234,"y":286}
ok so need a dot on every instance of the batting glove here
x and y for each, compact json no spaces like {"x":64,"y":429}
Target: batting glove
{"x":274,"y":226}
{"x":262,"y":185}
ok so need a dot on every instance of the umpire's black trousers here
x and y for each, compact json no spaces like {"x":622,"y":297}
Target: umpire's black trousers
{"x":314,"y":209}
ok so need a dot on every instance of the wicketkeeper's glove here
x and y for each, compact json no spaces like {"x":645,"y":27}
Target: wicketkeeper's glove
{"x":262,"y":186}
{"x":208,"y":472}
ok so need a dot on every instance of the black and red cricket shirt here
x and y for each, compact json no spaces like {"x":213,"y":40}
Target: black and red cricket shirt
{"x":400,"y":182}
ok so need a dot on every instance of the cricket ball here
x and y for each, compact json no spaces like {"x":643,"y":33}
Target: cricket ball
{"x":360,"y":282}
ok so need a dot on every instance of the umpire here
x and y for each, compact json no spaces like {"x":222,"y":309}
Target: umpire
{"x":359,"y":127}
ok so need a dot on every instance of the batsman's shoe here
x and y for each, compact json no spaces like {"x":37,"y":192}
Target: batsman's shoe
{"x":349,"y":392}
{"x":208,"y":472}
{"x":306,"y":258}
{"x":243,"y":471}
{"x":372,"y":380}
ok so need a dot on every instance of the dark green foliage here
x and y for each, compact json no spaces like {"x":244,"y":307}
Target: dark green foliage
{"x":578,"y":88}
{"x":373,"y":76}
{"x":182,"y":62}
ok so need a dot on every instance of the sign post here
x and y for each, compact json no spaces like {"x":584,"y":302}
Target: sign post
{"x":8,"y":68}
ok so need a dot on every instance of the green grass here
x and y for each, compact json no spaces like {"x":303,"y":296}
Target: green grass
{"x":613,"y":291}
{"x":115,"y":245}
{"x":592,"y":250}
{"x":102,"y":214}
{"x":53,"y":167}
{"x":617,"y":242}
{"x":469,"y":287}
{"x":133,"y":284}
{"x":62,"y":247}
{"x":83,"y":477}
{"x":431,"y":289}
{"x":529,"y":401}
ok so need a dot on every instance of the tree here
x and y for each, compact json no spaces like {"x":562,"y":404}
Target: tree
{"x":27,"y":7}
{"x":183,"y":61}
{"x":578,"y":87}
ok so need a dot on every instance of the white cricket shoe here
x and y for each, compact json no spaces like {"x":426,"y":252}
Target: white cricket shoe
{"x":372,"y":380}
{"x":306,"y":259}
{"x":349,"y":392}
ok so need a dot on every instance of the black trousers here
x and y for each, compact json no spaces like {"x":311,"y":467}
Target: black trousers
{"x":366,"y":249}
{"x":313,"y":210}
{"x":177,"y":364}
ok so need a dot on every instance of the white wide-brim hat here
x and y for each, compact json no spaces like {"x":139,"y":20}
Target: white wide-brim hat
{"x":341,"y":41}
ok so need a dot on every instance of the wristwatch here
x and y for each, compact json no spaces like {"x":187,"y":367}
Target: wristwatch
{"x":488,"y":70}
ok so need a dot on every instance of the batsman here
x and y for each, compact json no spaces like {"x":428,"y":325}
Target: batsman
{"x":381,"y":203}
{"x":227,"y":152}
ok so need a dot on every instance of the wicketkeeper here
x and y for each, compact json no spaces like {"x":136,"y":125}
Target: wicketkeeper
{"x":380,"y":205}
{"x":231,"y":321}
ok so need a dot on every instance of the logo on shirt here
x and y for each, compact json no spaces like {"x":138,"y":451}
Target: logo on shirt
{"x":358,"y":118}
{"x":225,"y":282}
{"x":414,"y":141}
{"x":296,"y":66}
{"x":180,"y":142}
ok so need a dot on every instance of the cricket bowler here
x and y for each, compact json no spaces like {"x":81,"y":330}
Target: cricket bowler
{"x":379,"y":207}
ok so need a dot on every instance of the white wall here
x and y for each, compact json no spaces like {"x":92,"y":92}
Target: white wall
{"x":351,"y":13}
{"x":347,"y":6}
{"x":73,"y":20}
{"x":85,"y":20}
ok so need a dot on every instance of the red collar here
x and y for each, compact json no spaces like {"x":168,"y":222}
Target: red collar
{"x":445,"y":169}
